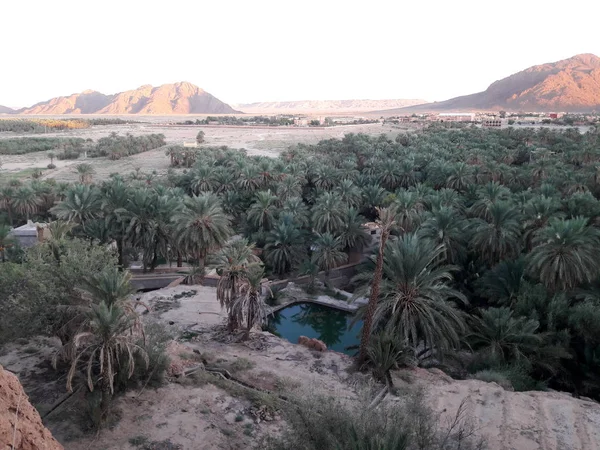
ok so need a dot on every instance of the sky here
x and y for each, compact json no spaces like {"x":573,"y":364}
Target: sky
{"x":245,"y":51}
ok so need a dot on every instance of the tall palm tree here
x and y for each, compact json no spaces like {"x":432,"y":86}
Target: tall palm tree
{"x":248,"y":307}
{"x":25,"y":202}
{"x":565,"y":253}
{"x":415,"y":301}
{"x":201,"y":226}
{"x":386,"y":222}
{"x":232,"y":262}
{"x":285,"y":247}
{"x":81,"y":203}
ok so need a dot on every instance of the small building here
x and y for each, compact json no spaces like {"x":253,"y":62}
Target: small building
{"x":29,"y":234}
{"x":456,"y":117}
{"x":494,"y":123}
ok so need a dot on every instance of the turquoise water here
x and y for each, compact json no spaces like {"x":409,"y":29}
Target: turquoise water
{"x":317,"y":321}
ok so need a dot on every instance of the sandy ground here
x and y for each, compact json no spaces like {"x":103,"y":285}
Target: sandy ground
{"x":188,"y":414}
{"x":257,"y":141}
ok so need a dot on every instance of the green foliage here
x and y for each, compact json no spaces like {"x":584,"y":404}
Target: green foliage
{"x":21,"y":146}
{"x":325,"y":423}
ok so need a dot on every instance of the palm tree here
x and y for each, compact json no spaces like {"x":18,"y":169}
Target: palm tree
{"x":85,"y":172}
{"x":414,"y":303}
{"x":110,"y":286}
{"x":328,"y":214}
{"x":565,"y":253}
{"x":489,"y":195}
{"x":327,"y":252}
{"x":500,"y":236}
{"x":248,"y":307}
{"x":537,"y":213}
{"x":445,"y":226}
{"x":262,"y":212}
{"x":503,"y":283}
{"x":460,"y":177}
{"x":502,"y":337}
{"x":232,"y":262}
{"x":408,"y":210}
{"x":203,"y":179}
{"x":201,"y":226}
{"x":25,"y":202}
{"x":6,"y":196}
{"x":386,"y":222}
{"x":353,"y":235}
{"x":107,"y":342}
{"x":295,"y":208}
{"x":386,"y":353}
{"x":349,"y":193}
{"x":81,"y":203}
{"x":5,"y":241}
{"x":285,"y":247}
{"x":289,"y":187}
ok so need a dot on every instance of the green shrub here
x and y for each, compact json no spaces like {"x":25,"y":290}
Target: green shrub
{"x":493,"y":376}
{"x":323,"y":423}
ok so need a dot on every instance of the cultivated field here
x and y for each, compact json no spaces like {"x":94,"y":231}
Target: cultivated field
{"x":262,"y":141}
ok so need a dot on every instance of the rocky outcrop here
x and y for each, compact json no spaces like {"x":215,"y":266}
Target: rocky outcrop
{"x":508,"y":420}
{"x":20,"y":424}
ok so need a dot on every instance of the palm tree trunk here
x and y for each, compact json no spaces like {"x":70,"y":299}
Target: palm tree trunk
{"x":106,"y":396}
{"x":179,"y":260}
{"x":372,"y":305}
{"x":120,"y":252}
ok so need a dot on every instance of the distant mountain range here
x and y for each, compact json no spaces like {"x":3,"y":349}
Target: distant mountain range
{"x":570,"y":85}
{"x":177,"y":98}
{"x":324,"y":106}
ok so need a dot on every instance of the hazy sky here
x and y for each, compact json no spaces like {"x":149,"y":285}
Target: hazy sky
{"x":258,"y":50}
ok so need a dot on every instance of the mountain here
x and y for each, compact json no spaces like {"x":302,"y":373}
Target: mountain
{"x":570,"y":85}
{"x":6,"y":110}
{"x":177,"y":98}
{"x":87,"y":102}
{"x":320,"y":106}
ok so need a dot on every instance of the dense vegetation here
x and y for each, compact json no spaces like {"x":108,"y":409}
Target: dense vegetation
{"x":242,"y":120}
{"x":117,"y":147}
{"x":489,"y":264}
{"x":21,"y":146}
{"x":45,"y":125}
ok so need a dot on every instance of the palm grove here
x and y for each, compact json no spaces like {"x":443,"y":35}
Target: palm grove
{"x":487,"y":264}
